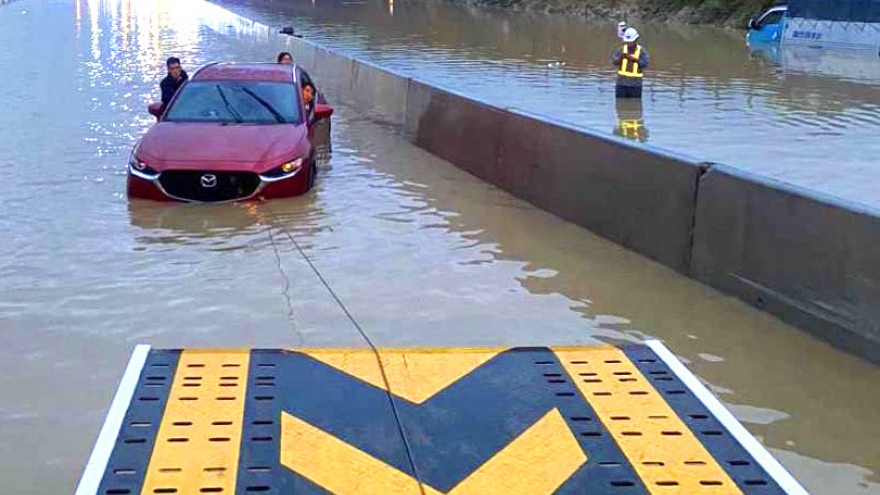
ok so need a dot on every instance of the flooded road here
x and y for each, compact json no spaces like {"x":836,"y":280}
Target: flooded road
{"x":419,"y":252}
{"x":706,"y":95}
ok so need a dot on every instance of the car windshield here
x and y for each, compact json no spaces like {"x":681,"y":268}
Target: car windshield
{"x":236,"y":102}
{"x":771,"y":18}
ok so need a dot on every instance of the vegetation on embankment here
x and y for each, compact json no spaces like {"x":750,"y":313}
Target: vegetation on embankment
{"x":732,"y":13}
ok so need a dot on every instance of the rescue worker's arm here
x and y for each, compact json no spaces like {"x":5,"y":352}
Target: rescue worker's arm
{"x":644,"y":59}
{"x":615,"y":58}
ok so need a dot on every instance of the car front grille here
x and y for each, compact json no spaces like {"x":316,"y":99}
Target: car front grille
{"x":209,"y":187}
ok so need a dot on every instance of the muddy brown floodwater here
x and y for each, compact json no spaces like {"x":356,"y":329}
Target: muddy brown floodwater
{"x":419,"y":252}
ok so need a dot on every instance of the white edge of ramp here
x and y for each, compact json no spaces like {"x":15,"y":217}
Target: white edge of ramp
{"x":739,"y":432}
{"x":94,"y":471}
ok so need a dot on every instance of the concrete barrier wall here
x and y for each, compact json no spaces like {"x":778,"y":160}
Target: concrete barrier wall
{"x":811,"y":261}
{"x":382,"y":91}
{"x":304,"y":53}
{"x":636,"y":197}
{"x":641,"y":199}
{"x":331,"y":66}
{"x":460,"y":130}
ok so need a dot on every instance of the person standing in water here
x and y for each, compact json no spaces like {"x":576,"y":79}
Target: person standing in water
{"x":631,"y":61}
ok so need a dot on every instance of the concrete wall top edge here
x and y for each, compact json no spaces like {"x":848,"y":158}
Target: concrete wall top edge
{"x":378,"y":67}
{"x":454,"y":92}
{"x":361,"y":62}
{"x":810,"y":194}
{"x":628,"y":143}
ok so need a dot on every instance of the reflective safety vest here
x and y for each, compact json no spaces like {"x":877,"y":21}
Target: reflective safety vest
{"x":629,"y":68}
{"x":631,"y":129}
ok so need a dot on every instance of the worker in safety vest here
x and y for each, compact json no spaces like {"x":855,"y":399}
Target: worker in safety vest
{"x":631,"y":61}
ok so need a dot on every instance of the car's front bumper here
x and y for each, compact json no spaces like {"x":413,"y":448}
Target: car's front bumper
{"x":145,"y":186}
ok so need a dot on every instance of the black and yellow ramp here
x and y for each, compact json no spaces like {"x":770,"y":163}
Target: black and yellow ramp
{"x":521,"y":421}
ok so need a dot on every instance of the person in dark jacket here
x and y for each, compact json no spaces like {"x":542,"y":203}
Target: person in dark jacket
{"x":173,"y":81}
{"x":631,"y":61}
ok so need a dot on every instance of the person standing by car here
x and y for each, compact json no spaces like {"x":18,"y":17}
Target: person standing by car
{"x":631,"y":61}
{"x":285,"y":58}
{"x":173,"y":81}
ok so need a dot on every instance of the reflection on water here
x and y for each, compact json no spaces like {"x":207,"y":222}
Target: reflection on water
{"x":855,"y":66}
{"x":170,"y":224}
{"x":704,"y":95}
{"x":420,"y":252}
{"x":630,"y":119}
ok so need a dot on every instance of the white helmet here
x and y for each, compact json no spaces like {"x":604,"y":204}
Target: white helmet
{"x":630,"y":35}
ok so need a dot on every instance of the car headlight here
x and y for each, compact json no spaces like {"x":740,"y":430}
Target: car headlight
{"x":283,"y":171}
{"x":141,"y":169}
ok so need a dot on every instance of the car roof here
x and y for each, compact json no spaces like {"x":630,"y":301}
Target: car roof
{"x":233,"y":71}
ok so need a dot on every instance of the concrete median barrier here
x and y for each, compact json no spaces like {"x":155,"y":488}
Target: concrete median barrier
{"x":812,"y":261}
{"x":640,"y":198}
{"x":334,"y":69}
{"x":384,"y":90}
{"x":303,"y":53}
{"x":458,"y":129}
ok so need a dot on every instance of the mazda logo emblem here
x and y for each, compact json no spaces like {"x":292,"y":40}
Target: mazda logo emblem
{"x":209,"y":180}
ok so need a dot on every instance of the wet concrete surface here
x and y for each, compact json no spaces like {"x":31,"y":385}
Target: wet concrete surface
{"x":419,"y":253}
{"x":706,"y":92}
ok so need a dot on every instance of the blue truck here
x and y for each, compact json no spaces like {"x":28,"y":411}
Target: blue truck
{"x":847,"y":24}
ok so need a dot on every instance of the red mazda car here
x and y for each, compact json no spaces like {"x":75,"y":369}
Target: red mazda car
{"x":232,"y":132}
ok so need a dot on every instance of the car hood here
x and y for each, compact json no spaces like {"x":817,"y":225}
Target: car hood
{"x":197,"y":146}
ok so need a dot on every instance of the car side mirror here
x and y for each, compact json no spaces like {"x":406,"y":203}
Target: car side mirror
{"x":155,"y":110}
{"x":323,"y":111}
{"x":753,"y":24}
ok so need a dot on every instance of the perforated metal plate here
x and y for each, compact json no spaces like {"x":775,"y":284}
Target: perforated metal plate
{"x":523,"y":421}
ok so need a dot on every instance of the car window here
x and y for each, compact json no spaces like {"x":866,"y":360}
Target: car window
{"x":771,"y":19}
{"x":236,"y":102}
